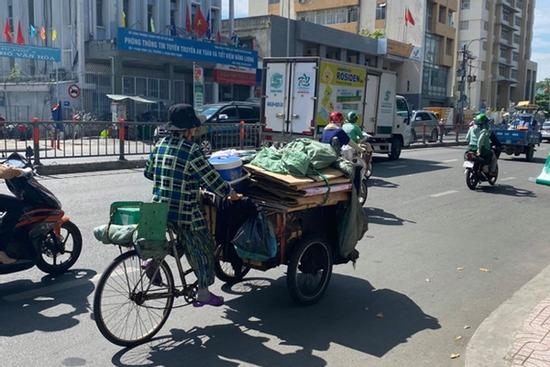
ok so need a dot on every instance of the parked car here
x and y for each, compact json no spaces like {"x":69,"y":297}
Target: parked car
{"x":216,"y":136}
{"x":424,"y":123}
{"x":545,"y":130}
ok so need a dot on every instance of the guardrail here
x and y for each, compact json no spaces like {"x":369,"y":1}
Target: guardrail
{"x":424,"y":134}
{"x":68,"y":139}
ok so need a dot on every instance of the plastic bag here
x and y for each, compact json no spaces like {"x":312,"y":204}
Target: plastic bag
{"x":256,"y":240}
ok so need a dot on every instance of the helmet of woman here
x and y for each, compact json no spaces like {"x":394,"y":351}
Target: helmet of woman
{"x":336,"y":117}
{"x":480,"y":119}
{"x":352,"y":117}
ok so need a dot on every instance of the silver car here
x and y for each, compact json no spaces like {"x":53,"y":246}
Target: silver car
{"x":424,"y":124}
{"x":545,"y":130}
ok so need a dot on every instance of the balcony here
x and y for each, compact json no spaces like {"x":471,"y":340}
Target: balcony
{"x":444,"y":30}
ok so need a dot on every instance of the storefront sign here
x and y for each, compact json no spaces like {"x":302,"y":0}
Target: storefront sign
{"x":234,"y":75}
{"x":198,"y":86}
{"x":163,"y":45}
{"x":29,"y":52}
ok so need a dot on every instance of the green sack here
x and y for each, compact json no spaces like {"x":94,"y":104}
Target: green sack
{"x":301,"y":157}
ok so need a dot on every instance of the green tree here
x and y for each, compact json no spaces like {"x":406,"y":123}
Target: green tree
{"x":377,"y":34}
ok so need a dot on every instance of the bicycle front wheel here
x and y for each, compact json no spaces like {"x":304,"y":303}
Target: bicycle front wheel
{"x":132,"y":302}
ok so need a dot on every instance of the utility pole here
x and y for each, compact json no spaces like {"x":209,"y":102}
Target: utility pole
{"x":231,"y":18}
{"x":461,"y":88}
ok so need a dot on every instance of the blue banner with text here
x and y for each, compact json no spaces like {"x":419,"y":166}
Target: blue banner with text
{"x":188,"y":49}
{"x":29,"y":52}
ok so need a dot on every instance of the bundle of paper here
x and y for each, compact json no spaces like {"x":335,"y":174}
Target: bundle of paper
{"x":329,"y":188}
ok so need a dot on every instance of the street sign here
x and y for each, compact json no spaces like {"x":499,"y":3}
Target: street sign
{"x":74,"y":91}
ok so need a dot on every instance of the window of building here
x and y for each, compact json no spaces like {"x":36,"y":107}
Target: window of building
{"x":214,"y":16}
{"x":173,"y":12}
{"x":514,"y":74}
{"x":451,"y":18}
{"x":516,"y":38}
{"x":503,"y":52}
{"x":464,"y":24}
{"x":179,"y":91}
{"x":518,"y":21}
{"x":381,"y":11}
{"x":99,"y":13}
{"x":449,"y":50}
{"x":434,"y":81}
{"x":31,"y":11}
{"x":503,"y":71}
{"x":330,"y":16}
{"x":333,"y":53}
{"x":465,"y":4}
{"x":353,"y":14}
{"x":506,"y":15}
{"x":487,"y":4}
{"x":483,"y":65}
{"x":484,"y":46}
{"x":274,"y":1}
{"x":153,"y":88}
{"x":442,"y":18}
{"x":150,"y":17}
{"x":486,"y":25}
{"x":515,"y":56}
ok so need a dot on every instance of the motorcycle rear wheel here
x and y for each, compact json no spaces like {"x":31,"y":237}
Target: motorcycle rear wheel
{"x":471,"y":179}
{"x":49,"y":250}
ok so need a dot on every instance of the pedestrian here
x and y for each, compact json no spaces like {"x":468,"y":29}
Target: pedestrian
{"x":178,"y":168}
{"x":441,"y":129}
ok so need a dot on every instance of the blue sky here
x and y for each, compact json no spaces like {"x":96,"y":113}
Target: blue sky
{"x":541,"y":39}
{"x":241,"y":8}
{"x":541,"y":32}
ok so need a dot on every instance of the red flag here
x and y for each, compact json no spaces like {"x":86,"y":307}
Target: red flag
{"x":7,"y":32}
{"x":20,"y":39}
{"x":409,"y":17}
{"x":201,"y":25}
{"x":188,"y":27}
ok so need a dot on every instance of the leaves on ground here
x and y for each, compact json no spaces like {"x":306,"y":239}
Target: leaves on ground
{"x":466,"y":327}
{"x":459,"y":337}
{"x":455,"y":355}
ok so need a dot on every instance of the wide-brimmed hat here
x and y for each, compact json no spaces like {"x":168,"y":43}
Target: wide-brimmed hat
{"x":182,"y":116}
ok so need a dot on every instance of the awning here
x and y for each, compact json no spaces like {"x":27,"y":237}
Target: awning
{"x":121,"y":97}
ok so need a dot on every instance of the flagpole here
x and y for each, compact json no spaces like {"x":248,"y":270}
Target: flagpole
{"x":231,"y":18}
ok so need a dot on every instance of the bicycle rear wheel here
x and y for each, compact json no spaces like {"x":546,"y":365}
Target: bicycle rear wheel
{"x":131,"y":304}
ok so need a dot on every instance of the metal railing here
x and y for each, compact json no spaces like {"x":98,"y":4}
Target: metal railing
{"x":69,"y":139}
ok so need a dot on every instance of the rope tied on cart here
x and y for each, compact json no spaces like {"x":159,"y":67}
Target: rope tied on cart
{"x":327,"y":184}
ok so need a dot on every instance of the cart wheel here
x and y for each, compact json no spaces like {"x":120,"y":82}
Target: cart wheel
{"x":309,"y":270}
{"x":530,"y":153}
{"x":225,"y":270}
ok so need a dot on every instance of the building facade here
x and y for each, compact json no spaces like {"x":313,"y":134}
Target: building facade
{"x":498,"y":35}
{"x":420,"y":37}
{"x":92,"y":58}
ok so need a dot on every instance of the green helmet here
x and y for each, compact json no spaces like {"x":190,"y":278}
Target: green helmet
{"x":352,"y":117}
{"x":481,"y":119}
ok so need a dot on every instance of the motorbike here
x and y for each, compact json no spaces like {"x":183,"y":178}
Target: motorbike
{"x":477,"y":170}
{"x":363,"y":161}
{"x":44,"y":235}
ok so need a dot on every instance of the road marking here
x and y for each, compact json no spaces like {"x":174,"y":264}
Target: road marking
{"x":532,"y":179}
{"x":450,"y":160}
{"x":444,"y":194}
{"x":33,"y":293}
{"x":398,"y":166}
{"x":507,"y":179}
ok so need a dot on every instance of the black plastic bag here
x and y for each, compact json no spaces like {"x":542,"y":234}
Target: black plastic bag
{"x":256,"y":240}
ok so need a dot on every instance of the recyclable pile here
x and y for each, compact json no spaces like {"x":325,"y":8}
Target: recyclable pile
{"x":299,"y":176}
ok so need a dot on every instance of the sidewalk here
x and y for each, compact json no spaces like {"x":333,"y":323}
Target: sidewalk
{"x":517,"y":333}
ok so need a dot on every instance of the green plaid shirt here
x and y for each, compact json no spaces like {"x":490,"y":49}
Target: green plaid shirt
{"x":178,"y":168}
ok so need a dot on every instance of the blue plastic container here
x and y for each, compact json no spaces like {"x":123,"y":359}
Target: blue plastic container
{"x":229,"y":167}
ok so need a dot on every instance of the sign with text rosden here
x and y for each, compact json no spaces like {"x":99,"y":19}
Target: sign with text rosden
{"x":163,"y":45}
{"x":29,"y":52}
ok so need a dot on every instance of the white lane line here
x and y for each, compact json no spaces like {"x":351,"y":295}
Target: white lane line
{"x":33,"y":293}
{"x":532,"y":179}
{"x":443,"y":194}
{"x":507,"y":179}
{"x":450,"y":160}
{"x":397,"y":167}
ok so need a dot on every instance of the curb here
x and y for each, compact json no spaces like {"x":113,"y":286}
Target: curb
{"x":89,"y":167}
{"x":493,"y":339}
{"x":436,"y":145}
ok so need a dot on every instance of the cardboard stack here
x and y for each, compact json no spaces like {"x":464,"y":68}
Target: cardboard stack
{"x":298,"y":193}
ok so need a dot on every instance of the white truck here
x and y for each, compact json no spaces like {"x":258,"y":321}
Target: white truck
{"x":299,"y":93}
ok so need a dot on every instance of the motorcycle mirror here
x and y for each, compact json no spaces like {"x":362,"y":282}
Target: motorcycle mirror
{"x":29,"y":152}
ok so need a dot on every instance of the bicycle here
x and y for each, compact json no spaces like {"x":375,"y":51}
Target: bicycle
{"x":134,"y":298}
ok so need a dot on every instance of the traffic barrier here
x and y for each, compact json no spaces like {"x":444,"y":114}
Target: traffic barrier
{"x":544,"y":177}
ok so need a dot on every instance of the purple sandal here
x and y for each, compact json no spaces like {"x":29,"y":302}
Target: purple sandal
{"x":213,"y":300}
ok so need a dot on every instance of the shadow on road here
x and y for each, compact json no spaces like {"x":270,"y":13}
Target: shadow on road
{"x":378,"y":182}
{"x":508,"y":190}
{"x":406,"y":166}
{"x":379,"y":216}
{"x":352,"y":314}
{"x":25,"y":309}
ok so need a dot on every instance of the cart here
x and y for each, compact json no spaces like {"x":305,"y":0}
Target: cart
{"x":306,"y":243}
{"x":523,"y":133}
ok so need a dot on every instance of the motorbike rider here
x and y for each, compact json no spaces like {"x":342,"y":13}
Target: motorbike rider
{"x":350,"y":127}
{"x":12,"y":207}
{"x":472,"y":137}
{"x":484,"y":149}
{"x":333,"y":131}
{"x":178,"y":167}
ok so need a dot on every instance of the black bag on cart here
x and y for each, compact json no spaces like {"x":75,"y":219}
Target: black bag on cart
{"x":256,"y":239}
